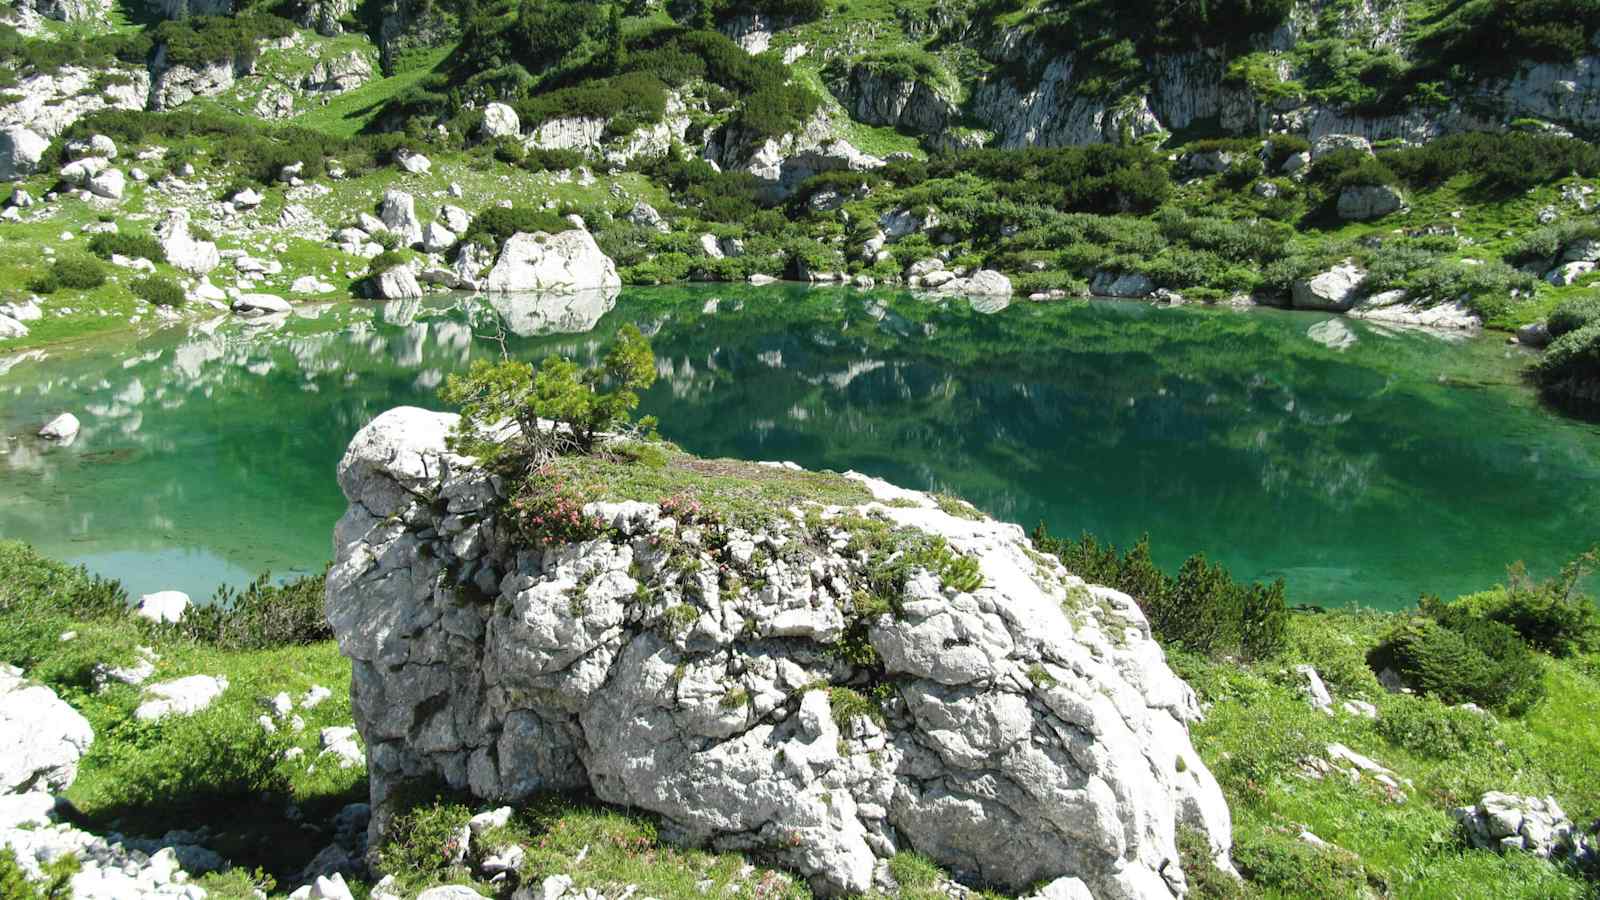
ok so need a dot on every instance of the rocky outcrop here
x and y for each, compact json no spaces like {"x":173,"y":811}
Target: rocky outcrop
{"x":338,"y":74}
{"x":782,"y":163}
{"x":1365,"y":202}
{"x":1335,"y":290}
{"x":47,"y":104}
{"x":563,"y":263}
{"x":883,"y":97}
{"x":41,"y":737}
{"x":174,"y":85}
{"x":399,"y":215}
{"x":1536,"y":825}
{"x":325,"y":16}
{"x":72,"y":10}
{"x":1021,"y":725}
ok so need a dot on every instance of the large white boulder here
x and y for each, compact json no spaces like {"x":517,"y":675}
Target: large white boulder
{"x":184,"y":250}
{"x":110,"y":184}
{"x":399,"y":215}
{"x":500,"y":120}
{"x":20,"y":152}
{"x":164,"y":606}
{"x":1335,"y":290}
{"x":554,"y":263}
{"x":62,"y":428}
{"x":41,"y":737}
{"x":255,"y":306}
{"x":180,"y":697}
{"x":1029,"y":728}
{"x":10,"y":328}
{"x":1364,"y":202}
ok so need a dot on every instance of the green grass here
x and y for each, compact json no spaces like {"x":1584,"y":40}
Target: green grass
{"x":351,"y":112}
{"x":737,"y":492}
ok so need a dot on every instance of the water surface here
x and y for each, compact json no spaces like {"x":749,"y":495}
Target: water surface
{"x":1394,"y":465}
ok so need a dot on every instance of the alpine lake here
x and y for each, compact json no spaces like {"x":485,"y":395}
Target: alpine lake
{"x":1360,"y":463}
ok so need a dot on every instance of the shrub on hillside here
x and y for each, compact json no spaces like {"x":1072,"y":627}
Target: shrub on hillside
{"x":1574,"y":313}
{"x":261,"y":616}
{"x":1424,"y":726}
{"x":74,"y":272}
{"x":493,"y":225}
{"x":1202,"y":609}
{"x":1569,"y":371}
{"x":1470,"y":660}
{"x":172,"y":768}
{"x":133,"y":246}
{"x":1553,"y":616}
{"x":198,"y":40}
{"x":158,"y":289}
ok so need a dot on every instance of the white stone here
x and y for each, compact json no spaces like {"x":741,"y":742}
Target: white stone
{"x":249,"y":198}
{"x":181,"y":697}
{"x":252,"y":306}
{"x":20,"y":152}
{"x":164,"y":606}
{"x":62,"y":428}
{"x":500,"y":120}
{"x":41,"y":737}
{"x":1334,"y":290}
{"x":416,"y":163}
{"x":110,"y":184}
{"x":344,"y":745}
{"x":563,"y":263}
{"x":399,"y":215}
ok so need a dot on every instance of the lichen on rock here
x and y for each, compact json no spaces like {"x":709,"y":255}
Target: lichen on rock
{"x":820,"y":684}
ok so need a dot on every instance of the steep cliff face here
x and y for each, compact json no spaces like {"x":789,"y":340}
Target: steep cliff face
{"x":996,"y":713}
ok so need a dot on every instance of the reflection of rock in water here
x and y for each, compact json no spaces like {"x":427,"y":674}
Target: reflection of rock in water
{"x":401,"y":312}
{"x":988,"y":306}
{"x":528,"y":315}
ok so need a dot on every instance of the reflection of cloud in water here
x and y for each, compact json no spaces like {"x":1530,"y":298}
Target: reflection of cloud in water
{"x":530,"y":315}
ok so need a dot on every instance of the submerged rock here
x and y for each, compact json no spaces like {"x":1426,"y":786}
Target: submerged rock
{"x":1334,"y":290}
{"x":1025,"y":728}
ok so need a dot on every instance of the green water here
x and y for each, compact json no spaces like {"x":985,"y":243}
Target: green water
{"x":1401,"y":464}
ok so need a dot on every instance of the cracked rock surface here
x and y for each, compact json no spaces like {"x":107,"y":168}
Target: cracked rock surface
{"x":1016,"y":725}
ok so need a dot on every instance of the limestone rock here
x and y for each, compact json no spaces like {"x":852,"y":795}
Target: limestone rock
{"x":338,"y":74}
{"x":62,"y":428}
{"x":1123,"y":284}
{"x":20,"y":152}
{"x":1537,"y":825}
{"x":1032,"y":730}
{"x":500,"y":120}
{"x":1569,"y":273}
{"x":562,"y":263}
{"x":183,"y":250}
{"x":645,"y":216}
{"x":109,"y":184}
{"x":1364,"y":202}
{"x":180,"y":697}
{"x":1534,"y":334}
{"x":436,"y":238}
{"x":398,"y":283}
{"x":1334,"y":290}
{"x":164,"y":606}
{"x":253,"y":306}
{"x":1329,"y":143}
{"x":399,"y":215}
{"x":41,"y":737}
{"x":415,"y":163}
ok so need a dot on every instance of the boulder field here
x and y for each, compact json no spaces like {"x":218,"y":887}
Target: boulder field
{"x":1000,"y":716}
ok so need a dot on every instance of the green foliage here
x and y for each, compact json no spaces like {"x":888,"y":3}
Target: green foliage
{"x":1552,"y":616}
{"x":776,"y":109}
{"x":1336,"y":170}
{"x":1100,"y":178}
{"x":133,"y":246}
{"x":1468,"y":660}
{"x":261,"y":616}
{"x":55,"y":885}
{"x":1279,"y":861}
{"x":546,"y":508}
{"x":1569,"y":371}
{"x":1574,"y":313}
{"x":423,"y":842}
{"x":1499,"y":163}
{"x":159,"y":290}
{"x":199,"y":40}
{"x":46,"y":55}
{"x":494,"y":224}
{"x":1545,"y":243}
{"x":386,"y":261}
{"x":179,"y":765}
{"x":1426,"y":727}
{"x":574,"y":399}
{"x":1202,"y":609}
{"x":627,"y":102}
{"x":82,"y":273}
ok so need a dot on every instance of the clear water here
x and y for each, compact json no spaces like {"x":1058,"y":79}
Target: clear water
{"x":1401,"y":464}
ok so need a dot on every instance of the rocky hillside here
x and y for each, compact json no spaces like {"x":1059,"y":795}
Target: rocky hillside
{"x":1422,"y":163}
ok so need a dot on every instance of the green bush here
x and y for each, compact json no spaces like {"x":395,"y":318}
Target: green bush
{"x":199,"y":40}
{"x":179,"y":766}
{"x":1202,"y":609}
{"x":559,"y":391}
{"x":1279,"y":861}
{"x":1426,"y":727}
{"x":385,"y":261}
{"x":261,"y":616}
{"x":133,"y":246}
{"x":81,"y":273}
{"x":1472,"y":660}
{"x":1574,"y":313}
{"x":1568,"y":372}
{"x":55,"y":885}
{"x":495,"y":224}
{"x":158,"y":289}
{"x":40,"y":598}
{"x":423,"y":840}
{"x":1553,"y":616}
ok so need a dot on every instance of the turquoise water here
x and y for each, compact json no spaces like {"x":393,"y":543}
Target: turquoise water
{"x":1401,"y":464}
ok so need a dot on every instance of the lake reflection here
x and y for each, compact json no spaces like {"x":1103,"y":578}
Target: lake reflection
{"x":1358,"y":463}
